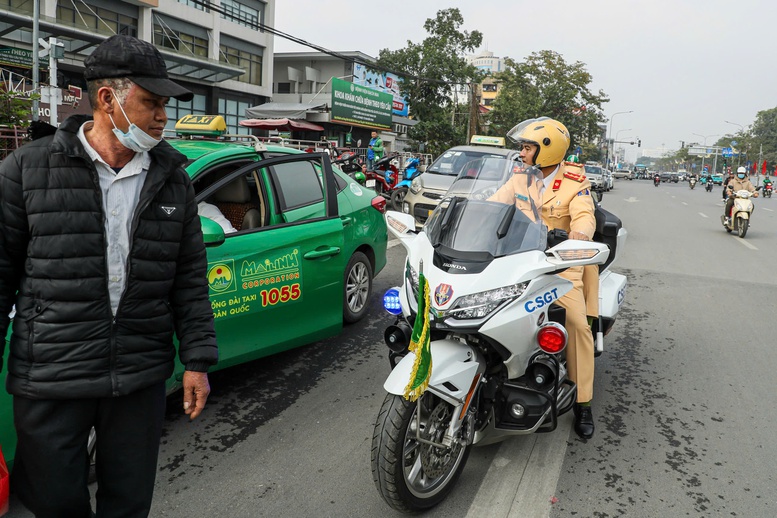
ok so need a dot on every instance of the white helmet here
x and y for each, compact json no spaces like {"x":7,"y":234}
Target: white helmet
{"x":741,"y":169}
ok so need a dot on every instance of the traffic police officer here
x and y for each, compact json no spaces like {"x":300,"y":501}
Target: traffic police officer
{"x":567,"y":205}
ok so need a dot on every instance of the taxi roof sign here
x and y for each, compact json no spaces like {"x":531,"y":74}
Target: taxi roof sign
{"x":485,"y":140}
{"x":205,"y":125}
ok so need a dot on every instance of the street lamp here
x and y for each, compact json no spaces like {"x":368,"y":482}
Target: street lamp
{"x":617,"y":137}
{"x":607,"y":161}
{"x":704,"y":155}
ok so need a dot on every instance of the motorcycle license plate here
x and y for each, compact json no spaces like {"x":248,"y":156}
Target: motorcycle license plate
{"x":370,"y":183}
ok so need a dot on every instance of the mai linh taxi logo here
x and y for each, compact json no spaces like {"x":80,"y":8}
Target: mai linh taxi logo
{"x":221,"y":277}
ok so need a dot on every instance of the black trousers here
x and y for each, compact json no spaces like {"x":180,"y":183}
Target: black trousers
{"x":51,"y":466}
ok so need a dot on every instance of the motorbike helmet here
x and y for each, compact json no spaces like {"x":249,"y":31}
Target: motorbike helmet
{"x":741,"y":172}
{"x":549,"y":135}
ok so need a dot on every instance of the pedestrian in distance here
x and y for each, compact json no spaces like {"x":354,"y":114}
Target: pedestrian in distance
{"x":374,"y":150}
{"x":101,"y":251}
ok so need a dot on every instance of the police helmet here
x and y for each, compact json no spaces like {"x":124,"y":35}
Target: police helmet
{"x":549,"y":135}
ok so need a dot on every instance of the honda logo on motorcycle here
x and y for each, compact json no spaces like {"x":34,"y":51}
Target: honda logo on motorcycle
{"x":443,"y":294}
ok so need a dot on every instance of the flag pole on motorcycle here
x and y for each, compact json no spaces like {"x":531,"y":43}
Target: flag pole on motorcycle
{"x":420,"y":344}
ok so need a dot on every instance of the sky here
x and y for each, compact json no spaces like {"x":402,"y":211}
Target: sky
{"x":682,"y":67}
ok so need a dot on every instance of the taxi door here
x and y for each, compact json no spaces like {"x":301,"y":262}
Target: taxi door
{"x":277,"y":282}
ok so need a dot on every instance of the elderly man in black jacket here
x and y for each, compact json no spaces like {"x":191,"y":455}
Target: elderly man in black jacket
{"x":102,"y":253}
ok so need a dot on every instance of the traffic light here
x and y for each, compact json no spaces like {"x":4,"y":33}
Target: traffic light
{"x":639,"y":143}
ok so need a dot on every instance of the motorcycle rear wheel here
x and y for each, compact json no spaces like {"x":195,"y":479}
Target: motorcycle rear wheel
{"x":412,"y":476}
{"x":742,"y":226}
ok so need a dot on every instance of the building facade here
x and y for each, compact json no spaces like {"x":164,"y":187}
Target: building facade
{"x":217,"y":49}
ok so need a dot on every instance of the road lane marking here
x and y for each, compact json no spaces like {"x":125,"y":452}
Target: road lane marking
{"x":747,"y":244}
{"x":770,"y":210}
{"x":393,"y":243}
{"x":703,"y":215}
{"x":685,"y":203}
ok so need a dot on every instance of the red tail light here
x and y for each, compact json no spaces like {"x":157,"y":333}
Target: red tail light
{"x":379,"y":203}
{"x":552,"y":338}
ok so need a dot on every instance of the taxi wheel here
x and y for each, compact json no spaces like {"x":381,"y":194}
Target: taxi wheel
{"x":357,"y":288}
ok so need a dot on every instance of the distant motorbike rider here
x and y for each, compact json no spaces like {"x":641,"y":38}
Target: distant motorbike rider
{"x":725,"y":185}
{"x":657,"y":178}
{"x":566,"y":205}
{"x":741,"y":182}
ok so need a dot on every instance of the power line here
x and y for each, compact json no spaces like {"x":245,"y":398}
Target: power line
{"x":263,"y":27}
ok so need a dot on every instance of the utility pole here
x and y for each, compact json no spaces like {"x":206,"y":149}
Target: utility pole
{"x":35,"y":57}
{"x":473,"y":112}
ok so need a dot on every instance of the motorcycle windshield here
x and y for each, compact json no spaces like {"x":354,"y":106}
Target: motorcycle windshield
{"x":493,"y":207}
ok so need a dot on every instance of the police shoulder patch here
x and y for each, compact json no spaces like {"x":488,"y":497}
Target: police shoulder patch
{"x":574,"y":176}
{"x":573,"y":164}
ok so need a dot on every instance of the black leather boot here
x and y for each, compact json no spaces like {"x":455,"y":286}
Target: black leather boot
{"x":584,"y":421}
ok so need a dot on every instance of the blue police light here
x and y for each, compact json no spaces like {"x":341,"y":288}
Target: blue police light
{"x":391,"y":301}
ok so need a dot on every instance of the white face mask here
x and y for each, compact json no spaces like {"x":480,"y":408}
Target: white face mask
{"x":740,"y":176}
{"x":135,"y":139}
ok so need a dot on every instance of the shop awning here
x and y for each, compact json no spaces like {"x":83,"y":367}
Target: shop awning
{"x":285,"y":110}
{"x":280,"y":124}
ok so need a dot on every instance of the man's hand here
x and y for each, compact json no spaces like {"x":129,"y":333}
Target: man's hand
{"x":578,"y":235}
{"x":195,"y":392}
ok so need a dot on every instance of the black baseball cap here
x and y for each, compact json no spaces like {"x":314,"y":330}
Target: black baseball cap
{"x":125,"y":56}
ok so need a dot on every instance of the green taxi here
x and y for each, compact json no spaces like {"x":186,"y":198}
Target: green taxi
{"x":301,"y":247}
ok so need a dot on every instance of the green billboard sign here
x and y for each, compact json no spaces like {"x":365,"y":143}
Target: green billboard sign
{"x":360,"y":106}
{"x":11,"y":56}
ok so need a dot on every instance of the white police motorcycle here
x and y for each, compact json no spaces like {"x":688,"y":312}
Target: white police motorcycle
{"x":498,"y":366}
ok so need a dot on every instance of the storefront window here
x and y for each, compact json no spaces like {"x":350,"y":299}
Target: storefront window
{"x":176,"y":109}
{"x":196,"y":5}
{"x":234,"y":111}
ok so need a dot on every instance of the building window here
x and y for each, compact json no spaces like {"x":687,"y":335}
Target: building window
{"x":98,"y":19}
{"x":24,"y":6}
{"x":197,"y":5}
{"x":489,"y":87}
{"x":234,"y":111}
{"x":180,"y":41}
{"x":176,"y":109}
{"x":243,"y":14}
{"x":284,"y":88}
{"x":250,"y":62}
{"x":488,"y":102}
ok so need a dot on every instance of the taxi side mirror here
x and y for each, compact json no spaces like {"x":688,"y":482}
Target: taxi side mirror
{"x":212,"y":233}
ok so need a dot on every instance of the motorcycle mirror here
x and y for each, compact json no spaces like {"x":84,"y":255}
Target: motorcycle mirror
{"x":359,"y":143}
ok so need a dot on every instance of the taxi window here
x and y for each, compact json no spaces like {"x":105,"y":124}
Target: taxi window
{"x":298,"y":184}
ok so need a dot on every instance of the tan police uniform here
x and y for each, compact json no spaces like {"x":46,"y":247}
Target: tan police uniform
{"x":567,"y":205}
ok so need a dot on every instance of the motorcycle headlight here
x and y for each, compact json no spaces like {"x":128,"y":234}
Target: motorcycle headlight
{"x":411,"y":276}
{"x":416,"y":185}
{"x":479,"y":305}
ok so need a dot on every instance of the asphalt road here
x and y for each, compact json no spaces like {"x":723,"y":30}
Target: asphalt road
{"x":682,"y":399}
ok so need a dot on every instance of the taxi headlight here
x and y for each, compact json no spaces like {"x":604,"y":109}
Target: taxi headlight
{"x":479,"y":305}
{"x":416,"y":185}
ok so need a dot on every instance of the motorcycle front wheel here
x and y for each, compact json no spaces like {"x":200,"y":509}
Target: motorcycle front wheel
{"x":410,"y":475}
{"x":742,"y":226}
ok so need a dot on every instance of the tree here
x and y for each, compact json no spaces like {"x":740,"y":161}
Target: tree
{"x":429,"y":70}
{"x":546,"y":85}
{"x":764,"y":133}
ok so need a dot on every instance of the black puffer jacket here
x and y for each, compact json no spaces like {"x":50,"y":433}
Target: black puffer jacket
{"x":65,"y":341}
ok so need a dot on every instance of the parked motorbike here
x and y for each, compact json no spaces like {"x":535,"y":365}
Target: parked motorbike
{"x":692,"y":183}
{"x":486,"y":280}
{"x":656,"y":180}
{"x":385,"y":176}
{"x":410,"y":171}
{"x":741,"y":212}
{"x":351,"y":164}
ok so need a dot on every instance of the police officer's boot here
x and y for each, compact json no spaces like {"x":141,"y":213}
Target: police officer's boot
{"x":584,"y":420}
